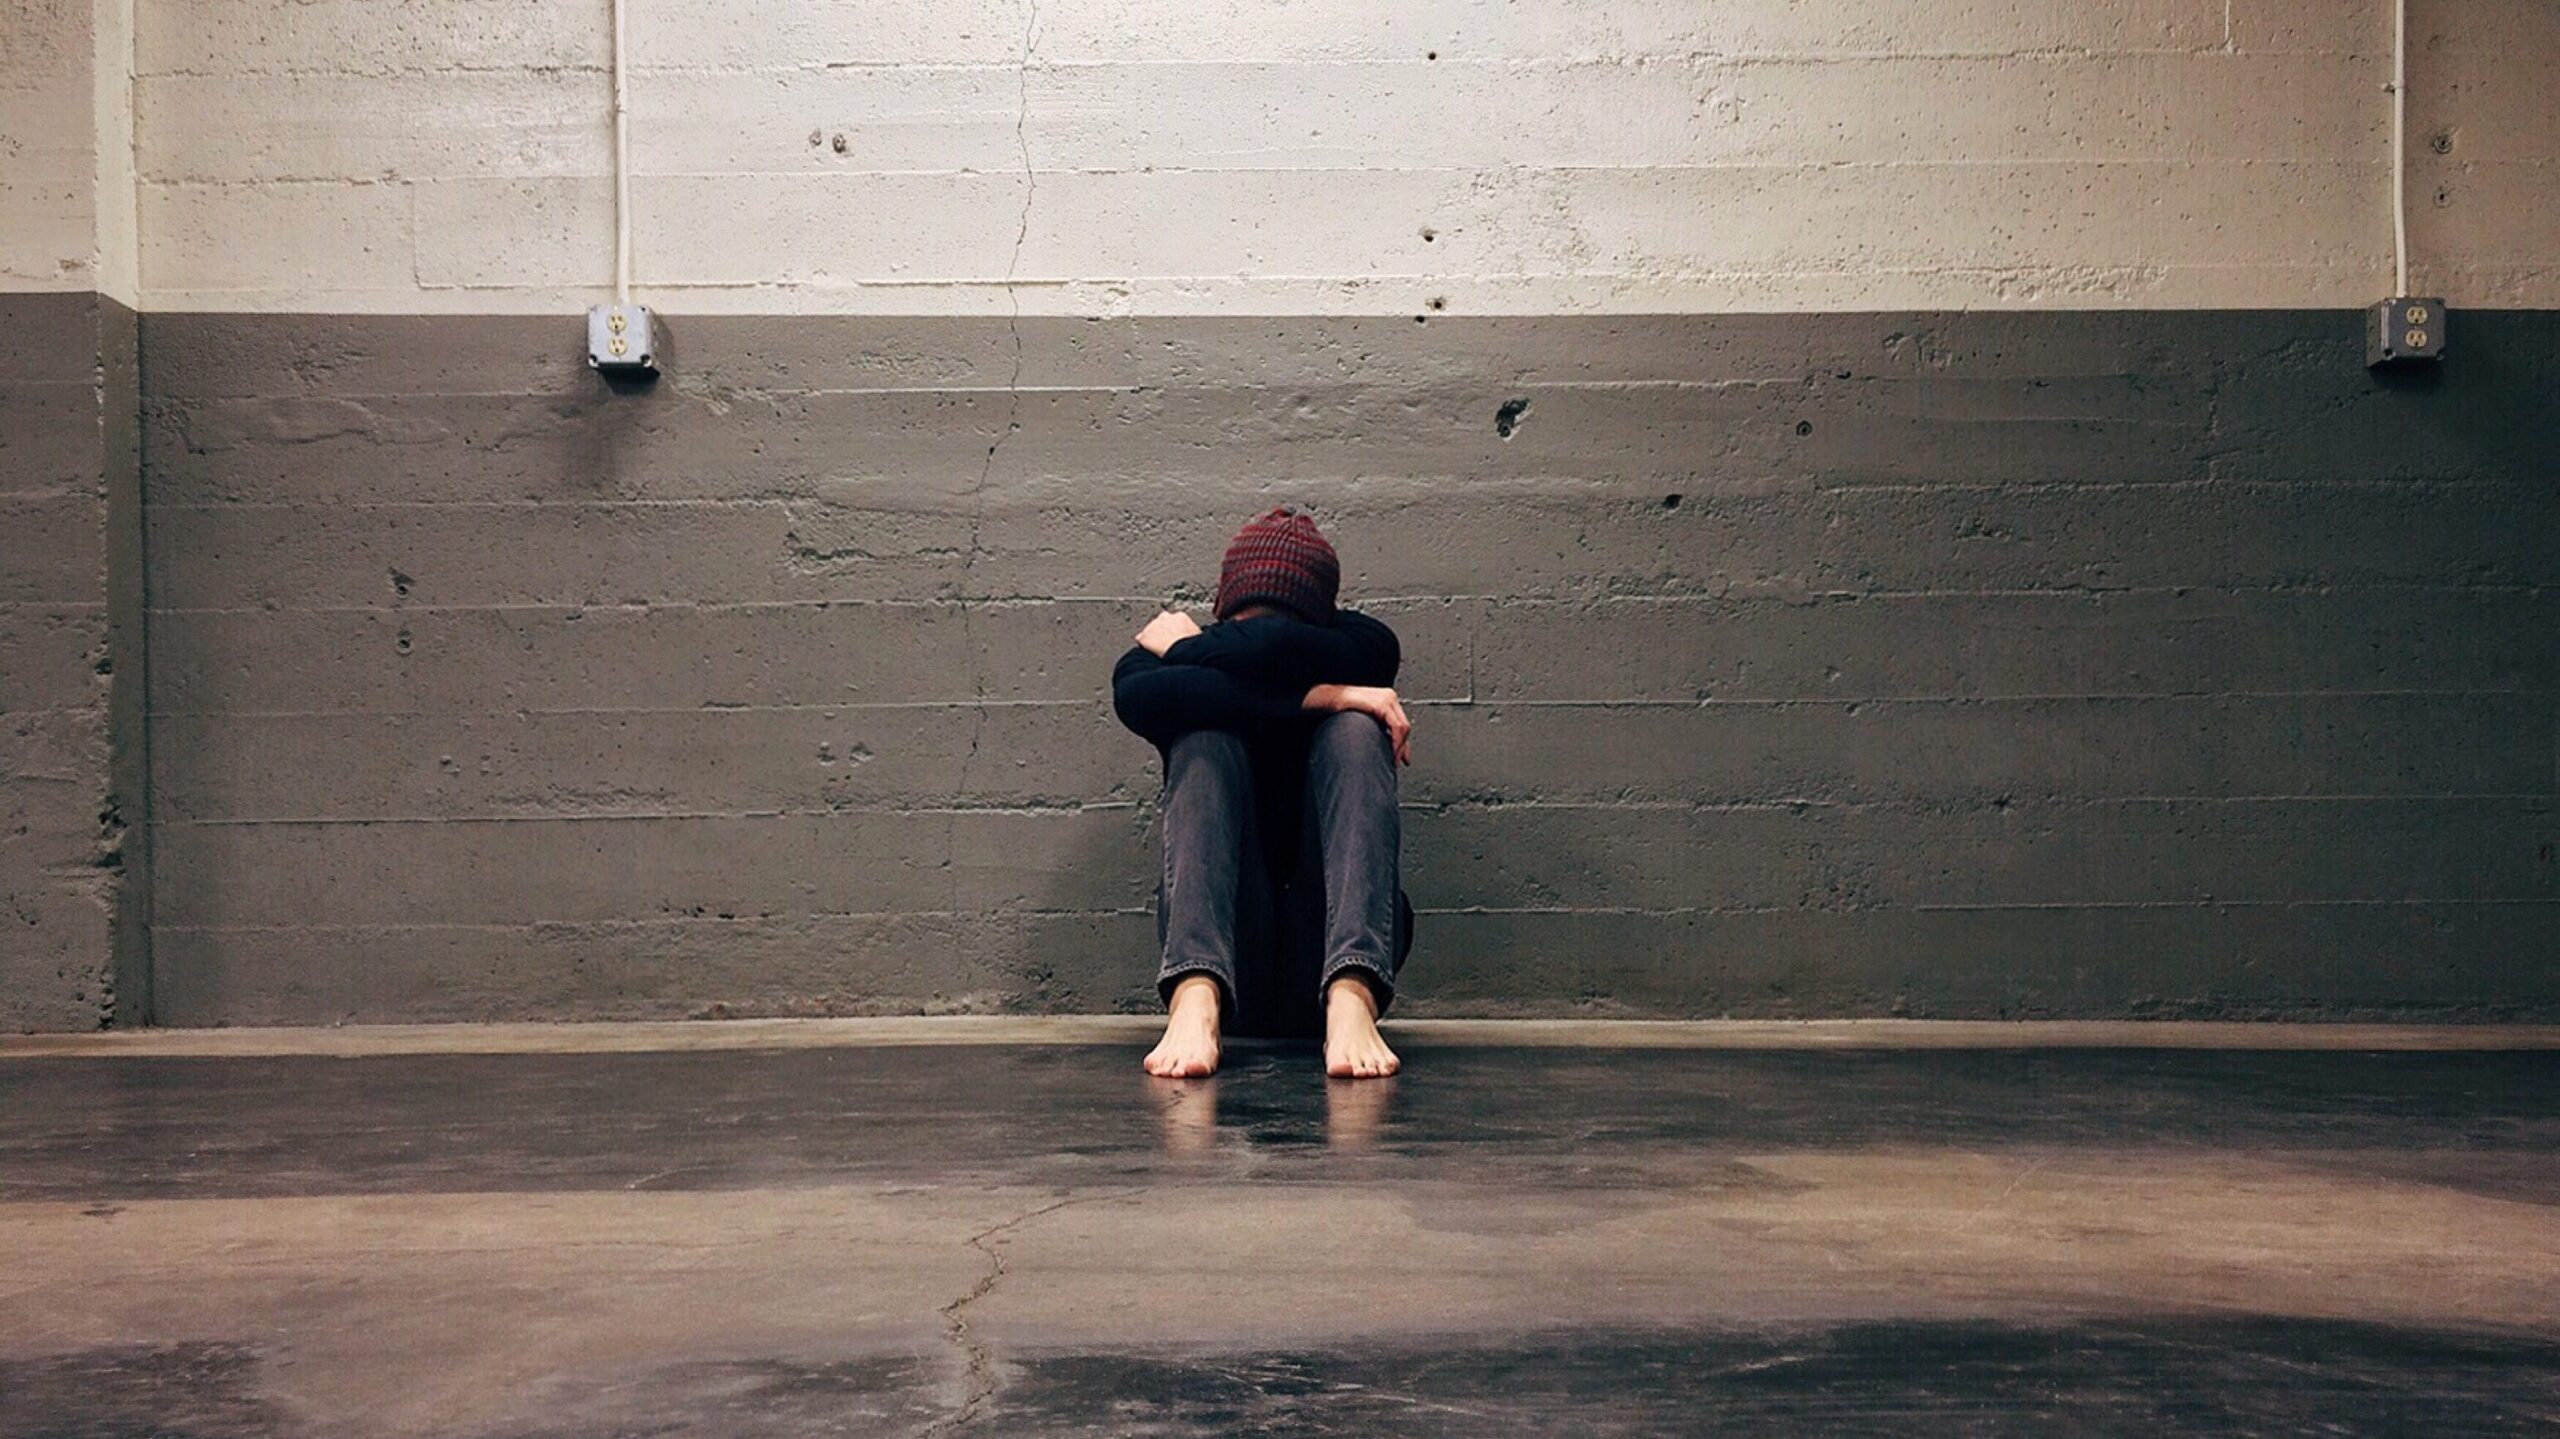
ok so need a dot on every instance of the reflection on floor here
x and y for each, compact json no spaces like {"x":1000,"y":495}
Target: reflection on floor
{"x":1036,"y":1239}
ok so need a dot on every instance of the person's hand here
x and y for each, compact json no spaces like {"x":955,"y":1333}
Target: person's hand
{"x":1167,"y":629}
{"x":1377,"y":701}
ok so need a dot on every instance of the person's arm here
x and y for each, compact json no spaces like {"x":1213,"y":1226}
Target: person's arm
{"x":1161,"y":702}
{"x":1291,"y":654}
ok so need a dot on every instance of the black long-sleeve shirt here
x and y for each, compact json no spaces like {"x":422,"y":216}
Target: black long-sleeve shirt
{"x":1250,"y":676}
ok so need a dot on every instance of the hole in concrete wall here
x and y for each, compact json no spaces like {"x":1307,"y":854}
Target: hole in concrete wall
{"x":1671,"y":502}
{"x":1507,"y":418}
{"x":110,"y":851}
{"x":400,"y":583}
{"x":1804,"y":427}
{"x":1436,"y":303}
{"x":403,"y":643}
{"x":1429,"y":234}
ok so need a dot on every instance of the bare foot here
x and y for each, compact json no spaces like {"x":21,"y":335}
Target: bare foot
{"x":1189,"y":1048}
{"x":1353,"y":1049}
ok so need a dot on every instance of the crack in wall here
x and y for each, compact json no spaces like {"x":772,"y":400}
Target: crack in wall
{"x":1013,"y":297}
{"x":980,"y":1362}
{"x":986,"y":472}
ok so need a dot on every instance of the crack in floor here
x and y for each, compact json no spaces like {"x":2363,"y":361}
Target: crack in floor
{"x":980,"y":1361}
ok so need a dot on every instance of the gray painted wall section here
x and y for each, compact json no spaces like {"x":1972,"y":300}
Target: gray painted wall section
{"x":74,"y":893}
{"x":125,"y":820}
{"x":1936,"y":664}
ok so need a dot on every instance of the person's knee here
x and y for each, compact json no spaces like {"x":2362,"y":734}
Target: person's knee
{"x":1354,"y":737}
{"x":1216,"y":750}
{"x":1209,"y":764}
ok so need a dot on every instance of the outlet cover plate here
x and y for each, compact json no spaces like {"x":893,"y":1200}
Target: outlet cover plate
{"x":622,"y":340}
{"x":2408,"y":330}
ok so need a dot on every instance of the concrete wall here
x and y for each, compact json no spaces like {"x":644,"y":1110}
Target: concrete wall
{"x":74,"y":884}
{"x":2118,"y":663}
{"x":1340,"y":156}
{"x":1952,"y":560}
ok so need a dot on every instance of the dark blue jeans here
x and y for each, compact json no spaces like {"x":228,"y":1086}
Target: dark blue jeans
{"x":1273,"y":938}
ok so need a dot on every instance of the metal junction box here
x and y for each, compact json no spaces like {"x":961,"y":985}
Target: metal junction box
{"x":622,"y":340}
{"x":2405,"y":331}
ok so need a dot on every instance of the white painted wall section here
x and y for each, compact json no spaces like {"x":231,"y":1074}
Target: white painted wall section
{"x":48,"y":146}
{"x":116,"y":217}
{"x":67,"y":193}
{"x":909,"y":156}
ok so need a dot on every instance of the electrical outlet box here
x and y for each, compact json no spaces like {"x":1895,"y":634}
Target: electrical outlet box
{"x":2405,"y":331}
{"x":622,"y":340}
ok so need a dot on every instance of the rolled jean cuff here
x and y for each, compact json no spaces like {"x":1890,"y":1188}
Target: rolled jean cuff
{"x":1382,"y":985}
{"x":1173,"y":975}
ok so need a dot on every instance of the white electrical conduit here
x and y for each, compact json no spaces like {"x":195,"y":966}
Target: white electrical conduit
{"x":2399,"y":145}
{"x":621,"y":169}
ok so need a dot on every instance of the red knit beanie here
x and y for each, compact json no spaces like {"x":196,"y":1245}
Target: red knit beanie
{"x":1280,"y":558}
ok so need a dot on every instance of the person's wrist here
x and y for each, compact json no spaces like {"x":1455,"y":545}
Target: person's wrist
{"x":1322,"y":697}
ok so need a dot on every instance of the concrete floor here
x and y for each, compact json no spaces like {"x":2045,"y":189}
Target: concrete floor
{"x":1005,"y":1228}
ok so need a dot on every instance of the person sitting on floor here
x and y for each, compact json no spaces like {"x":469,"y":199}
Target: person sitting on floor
{"x":1280,"y":732}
